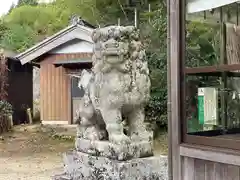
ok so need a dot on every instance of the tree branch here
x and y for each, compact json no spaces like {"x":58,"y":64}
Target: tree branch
{"x":121,"y":6}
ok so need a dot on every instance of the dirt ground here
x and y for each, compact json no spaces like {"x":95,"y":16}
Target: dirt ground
{"x":33,"y":153}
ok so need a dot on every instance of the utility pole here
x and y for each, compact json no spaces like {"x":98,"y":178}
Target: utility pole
{"x":136,"y":17}
{"x":149,"y":10}
{"x":137,"y":5}
{"x":119,"y":22}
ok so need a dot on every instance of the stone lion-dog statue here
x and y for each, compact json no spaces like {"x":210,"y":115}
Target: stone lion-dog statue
{"x":116,"y":89}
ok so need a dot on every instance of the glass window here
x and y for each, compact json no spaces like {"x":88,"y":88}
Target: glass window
{"x":212,"y":109}
{"x":76,"y":91}
{"x":212,"y":82}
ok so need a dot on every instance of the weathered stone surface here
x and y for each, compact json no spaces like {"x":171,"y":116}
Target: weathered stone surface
{"x":81,"y":166}
{"x":116,"y":91}
{"x":114,"y":151}
{"x":117,"y":88}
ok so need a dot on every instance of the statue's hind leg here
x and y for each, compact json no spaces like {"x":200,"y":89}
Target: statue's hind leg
{"x":113,"y":121}
{"x":137,"y":127}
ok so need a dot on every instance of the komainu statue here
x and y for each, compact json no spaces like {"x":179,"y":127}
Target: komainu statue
{"x":116,"y":90}
{"x":112,"y":141}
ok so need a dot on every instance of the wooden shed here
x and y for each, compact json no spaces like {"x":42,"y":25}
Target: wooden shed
{"x":64,"y":53}
{"x":20,"y":89}
{"x":212,"y":151}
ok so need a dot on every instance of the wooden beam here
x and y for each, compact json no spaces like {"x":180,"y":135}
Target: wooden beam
{"x":170,"y":170}
{"x":213,"y":69}
{"x":210,"y":154}
{"x":176,"y":60}
{"x":223,"y":61}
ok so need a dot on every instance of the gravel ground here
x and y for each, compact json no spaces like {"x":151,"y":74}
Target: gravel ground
{"x":31,"y":155}
{"x":29,"y":168}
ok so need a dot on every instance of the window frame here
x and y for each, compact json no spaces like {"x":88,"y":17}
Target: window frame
{"x":223,"y":70}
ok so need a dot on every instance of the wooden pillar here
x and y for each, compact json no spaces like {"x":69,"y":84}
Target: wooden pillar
{"x":223,"y":60}
{"x":176,"y":58}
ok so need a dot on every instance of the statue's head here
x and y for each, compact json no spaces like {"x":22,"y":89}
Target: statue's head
{"x":113,"y":43}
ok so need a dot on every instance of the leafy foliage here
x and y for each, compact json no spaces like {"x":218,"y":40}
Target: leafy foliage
{"x":5,"y":108}
{"x":18,"y":38}
{"x":27,"y":2}
{"x":202,"y":49}
{"x":3,"y":77}
{"x":202,"y":44}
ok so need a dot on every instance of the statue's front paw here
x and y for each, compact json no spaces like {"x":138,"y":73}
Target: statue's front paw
{"x":120,"y":139}
{"x":91,"y":133}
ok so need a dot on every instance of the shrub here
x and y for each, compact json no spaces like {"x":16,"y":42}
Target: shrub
{"x":5,"y":116}
{"x":5,"y":108}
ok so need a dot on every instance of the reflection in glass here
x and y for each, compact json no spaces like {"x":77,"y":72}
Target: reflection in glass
{"x":206,"y":113}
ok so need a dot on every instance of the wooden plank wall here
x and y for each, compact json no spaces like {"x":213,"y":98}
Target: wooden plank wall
{"x":197,"y":169}
{"x":55,"y":88}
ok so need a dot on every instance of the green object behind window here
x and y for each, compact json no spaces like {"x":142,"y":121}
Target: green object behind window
{"x":201,"y":109}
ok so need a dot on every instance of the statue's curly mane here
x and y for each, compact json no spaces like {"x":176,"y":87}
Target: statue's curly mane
{"x":119,"y":48}
{"x":120,"y":56}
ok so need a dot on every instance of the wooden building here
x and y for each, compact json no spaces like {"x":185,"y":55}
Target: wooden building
{"x":64,"y":53}
{"x":213,"y":152}
{"x":20,"y":89}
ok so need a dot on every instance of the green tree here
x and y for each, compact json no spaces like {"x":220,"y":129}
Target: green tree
{"x":27,"y":2}
{"x":18,"y":38}
{"x":11,"y":8}
{"x":202,"y":49}
{"x":44,"y":20}
{"x":86,"y":9}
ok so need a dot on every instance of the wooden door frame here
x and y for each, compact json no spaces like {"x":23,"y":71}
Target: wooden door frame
{"x":176,"y":59}
{"x":70,"y":107}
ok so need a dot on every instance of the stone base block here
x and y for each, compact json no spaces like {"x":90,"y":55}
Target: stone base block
{"x":81,"y":166}
{"x":113,"y":151}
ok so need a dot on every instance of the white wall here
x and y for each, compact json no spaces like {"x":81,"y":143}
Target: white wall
{"x":75,"y":46}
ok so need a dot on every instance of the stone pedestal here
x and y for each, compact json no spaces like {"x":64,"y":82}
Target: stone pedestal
{"x":82,"y":166}
{"x":113,"y":151}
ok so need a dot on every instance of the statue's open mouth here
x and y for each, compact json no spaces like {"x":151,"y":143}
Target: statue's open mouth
{"x":113,"y":55}
{"x":111,"y":51}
